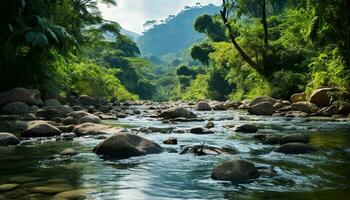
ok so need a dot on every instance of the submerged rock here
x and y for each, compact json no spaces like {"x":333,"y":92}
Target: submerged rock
{"x":247,"y":128}
{"x":73,"y":194}
{"x":210,"y":125}
{"x":8,"y":139}
{"x":126,"y":145}
{"x":235,"y":171}
{"x":263,"y":108}
{"x":40,"y":129}
{"x":52,"y":189}
{"x":291,"y":138}
{"x":69,"y":152}
{"x":179,"y":112}
{"x":295,"y":148}
{"x":200,"y":130}
{"x":203,"y":150}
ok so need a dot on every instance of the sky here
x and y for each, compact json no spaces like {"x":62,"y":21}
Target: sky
{"x":132,"y":14}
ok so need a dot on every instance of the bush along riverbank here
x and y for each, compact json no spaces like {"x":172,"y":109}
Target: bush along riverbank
{"x":27,"y":115}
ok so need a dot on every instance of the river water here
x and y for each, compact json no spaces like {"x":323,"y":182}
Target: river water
{"x":324,"y":174}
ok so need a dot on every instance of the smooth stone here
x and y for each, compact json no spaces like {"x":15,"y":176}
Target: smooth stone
{"x":178,"y":112}
{"x":25,"y":179}
{"x":52,"y":189}
{"x":28,"y":96}
{"x":16,"y":108}
{"x":171,"y":141}
{"x":40,"y":129}
{"x":295,"y":148}
{"x":263,"y":108}
{"x":304,"y":106}
{"x":209,"y":125}
{"x":203,"y":106}
{"x":73,"y":194}
{"x":321,"y":97}
{"x":95,"y":129}
{"x":261,"y":99}
{"x":235,"y":171}
{"x":291,"y":138}
{"x":247,"y":128}
{"x":8,"y":139}
{"x":69,"y":152}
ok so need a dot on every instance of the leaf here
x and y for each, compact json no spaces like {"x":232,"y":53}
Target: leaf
{"x":36,"y":39}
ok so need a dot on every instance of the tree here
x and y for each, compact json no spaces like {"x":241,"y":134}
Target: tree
{"x":211,"y":27}
{"x":201,"y":52}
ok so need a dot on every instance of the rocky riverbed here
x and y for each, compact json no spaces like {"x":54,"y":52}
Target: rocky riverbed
{"x":83,"y":147}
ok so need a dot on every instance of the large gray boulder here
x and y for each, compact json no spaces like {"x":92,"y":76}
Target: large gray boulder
{"x":16,"y":108}
{"x":304,"y":106}
{"x":235,"y":171}
{"x":261,"y":99}
{"x":179,"y":112}
{"x":203,"y":106}
{"x":263,"y":108}
{"x":28,"y":96}
{"x":8,"y":139}
{"x":295,"y":148}
{"x":126,"y":145}
{"x":321,"y":97}
{"x":40,"y":129}
{"x":81,"y":117}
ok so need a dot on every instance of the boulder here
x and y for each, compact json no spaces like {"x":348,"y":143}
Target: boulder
{"x":220,"y":106}
{"x":278,"y":105}
{"x":291,"y":138}
{"x":298,"y":97}
{"x":16,"y":108}
{"x":170,"y":141}
{"x":52,"y":103}
{"x":126,"y":145}
{"x":200,"y":130}
{"x":49,"y":113}
{"x":28,"y":96}
{"x":88,"y":100}
{"x":321,"y":97}
{"x":304,"y":106}
{"x":81,"y":117}
{"x":328,"y":111}
{"x":272,"y":139}
{"x":40,"y":129}
{"x":203,"y":106}
{"x":262,"y":99}
{"x":178,"y":112}
{"x":295,"y":148}
{"x":95,"y":129}
{"x":210,"y":125}
{"x":235,"y":171}
{"x":203,"y":150}
{"x":263,"y":108}
{"x":8,"y":139}
{"x":247,"y":128}
{"x":68,"y":121}
{"x":344,"y":108}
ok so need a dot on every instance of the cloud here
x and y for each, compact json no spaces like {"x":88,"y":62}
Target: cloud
{"x":132,"y":14}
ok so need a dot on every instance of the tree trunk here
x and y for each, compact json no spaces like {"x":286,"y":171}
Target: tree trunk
{"x":244,"y":55}
{"x":266,"y":32}
{"x":346,"y":8}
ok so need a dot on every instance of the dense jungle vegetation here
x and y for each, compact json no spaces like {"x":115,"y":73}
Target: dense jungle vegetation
{"x":249,"y":48}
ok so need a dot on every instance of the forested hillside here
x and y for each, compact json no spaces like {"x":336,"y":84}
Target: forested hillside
{"x":174,"y":34}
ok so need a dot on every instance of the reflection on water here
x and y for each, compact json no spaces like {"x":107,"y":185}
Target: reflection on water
{"x":321,"y":175}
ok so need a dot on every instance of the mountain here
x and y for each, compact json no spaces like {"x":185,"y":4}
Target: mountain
{"x":175,"y":34}
{"x":130,"y":34}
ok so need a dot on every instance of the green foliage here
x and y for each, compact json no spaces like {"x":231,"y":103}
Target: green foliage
{"x":213,"y":28}
{"x":201,"y":52}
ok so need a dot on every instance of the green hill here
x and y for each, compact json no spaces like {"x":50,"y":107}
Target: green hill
{"x":174,"y":34}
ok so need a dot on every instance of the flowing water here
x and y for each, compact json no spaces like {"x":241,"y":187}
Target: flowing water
{"x":324,"y":174}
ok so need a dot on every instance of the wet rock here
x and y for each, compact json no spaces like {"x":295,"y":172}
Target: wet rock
{"x":40,"y":129}
{"x":68,"y":121}
{"x":296,"y":114}
{"x":8,"y":187}
{"x":25,"y":179}
{"x":95,"y":129}
{"x":344,"y":108}
{"x":328,"y":111}
{"x":8,"y":139}
{"x":66,"y":129}
{"x":272,"y":139}
{"x":203,"y":106}
{"x":170,"y":141}
{"x":285,"y":109}
{"x":291,"y":138}
{"x":262,"y":99}
{"x":28,"y":96}
{"x":295,"y":148}
{"x":73,"y":194}
{"x":220,"y":106}
{"x":263,"y":108}
{"x":178,"y":112}
{"x":52,"y":189}
{"x":210,"y":125}
{"x":247,"y":128}
{"x":304,"y":106}
{"x":298,"y":97}
{"x":156,"y":130}
{"x":203,"y":150}
{"x":122,"y":115}
{"x":66,"y":136}
{"x":16,"y":108}
{"x":126,"y":145}
{"x":69,"y":152}
{"x":88,"y":100}
{"x":48,"y":113}
{"x":182,"y":119}
{"x":78,"y":108}
{"x":81,"y":117}
{"x":200,"y":130}
{"x":321,"y":97}
{"x":278,"y":105}
{"x":235,"y":171}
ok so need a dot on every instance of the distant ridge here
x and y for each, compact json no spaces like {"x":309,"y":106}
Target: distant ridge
{"x":174,"y":34}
